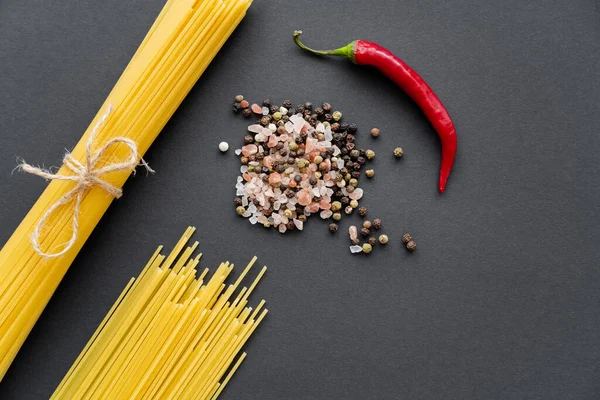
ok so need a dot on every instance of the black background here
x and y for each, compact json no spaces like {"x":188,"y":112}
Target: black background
{"x":502,"y":298}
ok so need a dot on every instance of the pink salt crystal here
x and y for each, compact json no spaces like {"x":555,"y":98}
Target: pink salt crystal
{"x":357,"y":194}
{"x":313,"y":207}
{"x":313,"y":167}
{"x":274,"y":178}
{"x":249,"y":150}
{"x":304,"y":197}
{"x":256,"y":109}
{"x":267,"y":161}
{"x":292,"y":183}
{"x":282,"y":228}
{"x":310,"y":144}
{"x":256,"y":128}
{"x":289,"y":127}
{"x":273,"y":141}
{"x":247,"y":177}
{"x":284,"y":137}
{"x":325,"y":205}
{"x":299,"y":224}
{"x":353,"y":232}
{"x":269,"y":193}
{"x":326,"y":214}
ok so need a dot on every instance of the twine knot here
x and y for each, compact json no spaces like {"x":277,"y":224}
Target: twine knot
{"x":85,"y":176}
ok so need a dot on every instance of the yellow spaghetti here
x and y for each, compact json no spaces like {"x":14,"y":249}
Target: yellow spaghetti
{"x":170,"y":335}
{"x":180,"y":45}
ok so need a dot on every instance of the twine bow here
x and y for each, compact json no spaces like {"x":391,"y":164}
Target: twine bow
{"x":85,"y":176}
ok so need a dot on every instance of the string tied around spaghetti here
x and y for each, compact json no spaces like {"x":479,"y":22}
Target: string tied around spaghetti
{"x":85,"y":175}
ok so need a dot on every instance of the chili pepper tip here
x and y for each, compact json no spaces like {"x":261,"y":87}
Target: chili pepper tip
{"x":346,"y":51}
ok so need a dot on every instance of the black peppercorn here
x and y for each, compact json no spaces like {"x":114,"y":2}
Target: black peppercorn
{"x":274,"y":109}
{"x":326,"y":107}
{"x":319,"y":111}
{"x":406,"y":238}
{"x":343,"y":127}
{"x":333,"y":228}
{"x":299,"y":109}
{"x":282,"y":187}
{"x":298,"y":140}
{"x":363,"y":153}
{"x":300,"y":152}
{"x":287,"y":103}
{"x":265,"y":170}
{"x":312,"y":180}
{"x":265,"y":178}
{"x":285,"y":118}
{"x":362,"y":211}
{"x":290,"y":193}
{"x":352,"y":128}
{"x":339,"y":194}
{"x":377,"y":224}
{"x":236,"y":108}
{"x":247,"y":112}
{"x":350,"y":138}
{"x":279,"y":146}
{"x":307,"y":117}
{"x":365,"y":231}
{"x":361,"y":160}
{"x":411,"y":246}
{"x":344,"y":150}
{"x":356,"y":174}
{"x":345,"y":200}
{"x":291,"y":226}
{"x":293,"y":154}
{"x":267,"y":103}
{"x":328,"y":117}
{"x":298,"y":178}
{"x":238,"y":201}
{"x":350,"y":146}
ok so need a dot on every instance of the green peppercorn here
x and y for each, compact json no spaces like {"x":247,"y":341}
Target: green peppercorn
{"x":375,"y":132}
{"x":377,"y":224}
{"x":267,"y":224}
{"x":370,"y":173}
{"x":354,"y":154}
{"x":239,"y":98}
{"x":336,"y":206}
{"x":372,"y":241}
{"x":318,"y":175}
{"x":337,"y":216}
{"x":353,"y":182}
{"x":247,"y":112}
{"x":367,"y":248}
{"x":411,"y":246}
{"x":277,"y":116}
{"x":398,"y":152}
{"x":337,"y":115}
{"x":287,"y":213}
{"x":348,"y":210}
{"x":250,"y":168}
{"x":362,"y":211}
{"x":281,"y":123}
{"x":240,"y":210}
{"x":326,"y":124}
{"x":293,"y":146}
{"x":333,"y":228}
{"x":383,"y":239}
{"x":318,"y":160}
{"x":367,"y":224}
{"x":353,"y":203}
{"x":406,"y":238}
{"x":370,"y":154}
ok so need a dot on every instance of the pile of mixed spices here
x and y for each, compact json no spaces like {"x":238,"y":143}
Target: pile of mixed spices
{"x":297,"y":162}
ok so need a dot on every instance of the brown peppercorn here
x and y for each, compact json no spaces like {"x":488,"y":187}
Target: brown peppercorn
{"x":291,"y":226}
{"x":244,"y":160}
{"x":238,"y":201}
{"x":328,"y":117}
{"x":367,"y":224}
{"x":348,"y":210}
{"x":365,"y":231}
{"x":264,"y":121}
{"x":350,"y":189}
{"x":372,"y":241}
{"x":345,"y":200}
{"x":355,"y":242}
{"x":375,"y":132}
{"x":281,"y":130}
{"x":370,"y":173}
{"x":247,"y":112}
{"x":319,"y":111}
{"x":287,"y":104}
{"x":301,"y":218}
{"x":335,"y":127}
{"x":362,"y":211}
{"x":333,"y":228}
{"x":326,"y":107}
{"x":411,"y":246}
{"x":361,"y":160}
{"x":406,"y":238}
{"x":248,"y":139}
{"x":356,"y":174}
{"x":377,"y":224}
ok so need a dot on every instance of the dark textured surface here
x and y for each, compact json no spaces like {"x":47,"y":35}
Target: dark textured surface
{"x":502,"y":298}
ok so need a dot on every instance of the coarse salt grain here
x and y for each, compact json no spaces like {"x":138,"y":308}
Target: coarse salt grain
{"x":356,"y":249}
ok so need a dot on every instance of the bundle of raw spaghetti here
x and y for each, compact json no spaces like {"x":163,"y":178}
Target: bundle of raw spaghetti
{"x":180,"y":45}
{"x":169,"y":335}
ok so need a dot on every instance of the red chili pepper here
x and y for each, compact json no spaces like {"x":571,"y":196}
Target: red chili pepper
{"x":367,"y":53}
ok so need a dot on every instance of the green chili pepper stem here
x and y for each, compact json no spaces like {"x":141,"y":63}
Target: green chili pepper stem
{"x":346,"y":51}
